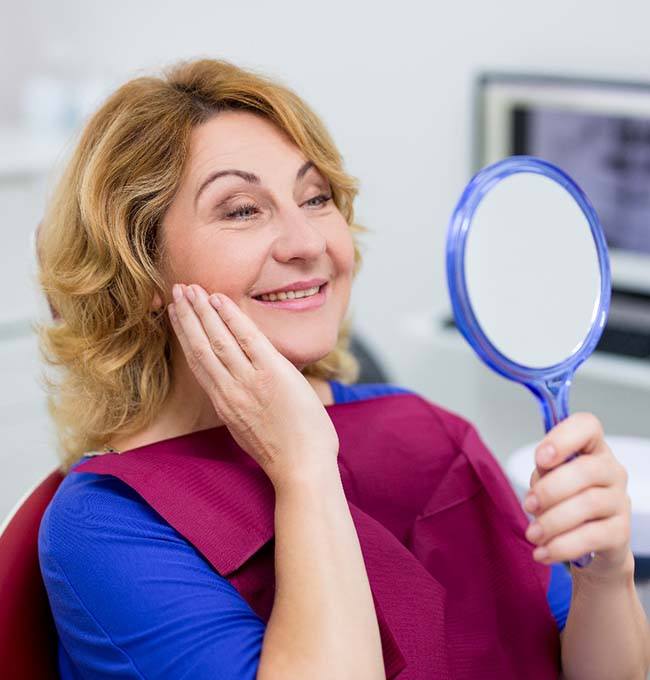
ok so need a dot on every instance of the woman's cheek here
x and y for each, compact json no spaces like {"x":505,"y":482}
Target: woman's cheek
{"x":229,"y":265}
{"x":344,"y":247}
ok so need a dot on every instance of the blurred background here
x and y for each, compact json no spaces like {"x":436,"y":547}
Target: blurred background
{"x":418,"y":96}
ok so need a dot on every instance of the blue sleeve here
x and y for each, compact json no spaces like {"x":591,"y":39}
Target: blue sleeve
{"x":131,"y":598}
{"x":559,"y":593}
{"x":343,"y":393}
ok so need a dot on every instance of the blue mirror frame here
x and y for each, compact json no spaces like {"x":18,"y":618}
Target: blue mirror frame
{"x":550,"y":384}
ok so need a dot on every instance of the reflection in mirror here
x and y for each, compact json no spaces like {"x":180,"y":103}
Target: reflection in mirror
{"x":532,"y":270}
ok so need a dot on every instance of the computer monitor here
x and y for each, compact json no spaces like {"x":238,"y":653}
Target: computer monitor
{"x":598,"y":132}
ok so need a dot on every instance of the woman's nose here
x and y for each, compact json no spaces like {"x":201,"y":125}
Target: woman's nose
{"x":299,"y":237}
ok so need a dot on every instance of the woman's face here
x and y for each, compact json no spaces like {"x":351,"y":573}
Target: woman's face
{"x":248,"y":235}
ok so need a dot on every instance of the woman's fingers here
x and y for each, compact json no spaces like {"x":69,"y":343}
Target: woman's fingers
{"x":611,"y":534}
{"x":571,"y":478}
{"x":592,"y":503}
{"x":257,"y":347}
{"x":224,"y":345}
{"x":579,"y":432}
{"x":534,"y":477}
{"x":195,"y":345}
{"x":219,"y":340}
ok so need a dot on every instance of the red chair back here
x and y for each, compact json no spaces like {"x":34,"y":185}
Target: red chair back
{"x":28,"y":638}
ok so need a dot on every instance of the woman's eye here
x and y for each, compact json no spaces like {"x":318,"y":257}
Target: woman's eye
{"x":249,"y":210}
{"x":244,"y":211}
{"x":323,"y":198}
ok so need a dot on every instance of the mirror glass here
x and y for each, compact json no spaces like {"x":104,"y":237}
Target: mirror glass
{"x":532,"y":270}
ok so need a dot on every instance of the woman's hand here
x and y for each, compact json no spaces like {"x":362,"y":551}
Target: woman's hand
{"x":583,"y":505}
{"x":268,"y":406}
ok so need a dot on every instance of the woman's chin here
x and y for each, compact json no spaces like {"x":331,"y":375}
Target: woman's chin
{"x":301,"y":357}
{"x":303,"y":344}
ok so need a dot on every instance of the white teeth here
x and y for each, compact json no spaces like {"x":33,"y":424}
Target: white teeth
{"x":291,"y":294}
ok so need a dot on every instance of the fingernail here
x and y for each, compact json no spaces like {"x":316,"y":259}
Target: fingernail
{"x":534,"y":532}
{"x":546,"y":454}
{"x":531,"y":503}
{"x":540,"y":553}
{"x":177,"y":292}
{"x":215,"y":300}
{"x":191,"y":295}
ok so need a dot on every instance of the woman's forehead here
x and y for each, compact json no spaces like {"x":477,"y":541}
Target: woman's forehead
{"x":244,"y":141}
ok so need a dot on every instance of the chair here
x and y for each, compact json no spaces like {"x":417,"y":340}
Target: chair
{"x":371,"y":369}
{"x":28,"y":639}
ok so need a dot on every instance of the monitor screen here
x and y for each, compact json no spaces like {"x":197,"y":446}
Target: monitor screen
{"x":596,"y":131}
{"x":608,"y":156}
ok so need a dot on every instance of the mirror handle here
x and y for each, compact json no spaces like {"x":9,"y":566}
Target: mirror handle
{"x":553,"y":398}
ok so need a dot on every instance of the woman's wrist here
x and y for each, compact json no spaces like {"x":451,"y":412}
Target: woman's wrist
{"x":595,"y":577}
{"x":317,"y":476}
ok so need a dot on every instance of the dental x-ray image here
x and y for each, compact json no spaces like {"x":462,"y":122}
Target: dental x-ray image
{"x":609,"y":157}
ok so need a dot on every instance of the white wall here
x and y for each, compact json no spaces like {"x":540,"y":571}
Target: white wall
{"x":392,"y":82}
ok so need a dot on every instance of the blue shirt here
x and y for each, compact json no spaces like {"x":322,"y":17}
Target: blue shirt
{"x":166,"y":613}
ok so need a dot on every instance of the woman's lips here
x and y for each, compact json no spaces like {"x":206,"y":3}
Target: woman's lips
{"x":299,"y":304}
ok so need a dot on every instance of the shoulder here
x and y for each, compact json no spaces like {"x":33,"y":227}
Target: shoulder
{"x":119,"y":579}
{"x":88,"y":510}
{"x":97,"y":529}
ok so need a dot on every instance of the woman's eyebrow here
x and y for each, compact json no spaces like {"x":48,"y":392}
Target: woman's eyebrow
{"x":246,"y":176}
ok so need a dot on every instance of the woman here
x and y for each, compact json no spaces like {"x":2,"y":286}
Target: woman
{"x":189,"y":202}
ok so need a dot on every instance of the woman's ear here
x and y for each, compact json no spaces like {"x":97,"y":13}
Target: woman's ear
{"x":156,"y":302}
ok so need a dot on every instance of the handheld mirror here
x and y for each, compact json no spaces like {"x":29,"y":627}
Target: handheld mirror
{"x":529,"y":278}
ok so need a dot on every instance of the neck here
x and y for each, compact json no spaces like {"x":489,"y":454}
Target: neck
{"x":189,"y":409}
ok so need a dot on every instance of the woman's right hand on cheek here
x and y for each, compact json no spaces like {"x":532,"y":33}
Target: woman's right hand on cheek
{"x":268,"y":406}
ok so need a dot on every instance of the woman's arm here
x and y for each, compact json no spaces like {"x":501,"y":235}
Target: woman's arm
{"x":607,"y":633}
{"x":323,"y":623}
{"x":582,"y":506}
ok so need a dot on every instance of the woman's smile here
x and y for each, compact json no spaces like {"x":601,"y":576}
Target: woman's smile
{"x":313,"y":298}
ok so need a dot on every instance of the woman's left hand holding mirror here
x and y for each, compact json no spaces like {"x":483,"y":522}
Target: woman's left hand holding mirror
{"x":581,"y":505}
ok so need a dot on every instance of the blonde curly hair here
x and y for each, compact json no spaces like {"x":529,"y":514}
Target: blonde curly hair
{"x":99,"y":252}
